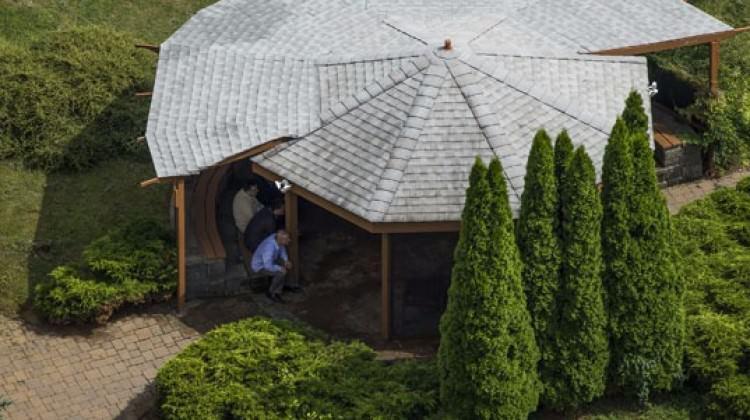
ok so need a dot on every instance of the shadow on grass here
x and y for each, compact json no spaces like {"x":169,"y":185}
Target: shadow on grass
{"x":78,"y":207}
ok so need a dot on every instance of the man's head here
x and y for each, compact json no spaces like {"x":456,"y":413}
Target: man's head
{"x":282,"y":237}
{"x":277,"y":207}
{"x":251,"y":187}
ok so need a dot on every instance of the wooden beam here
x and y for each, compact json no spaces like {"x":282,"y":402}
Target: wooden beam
{"x":253,"y":151}
{"x":714,"y":69}
{"x":292,"y":227}
{"x":385,"y":285}
{"x":139,"y":94}
{"x":181,"y":243}
{"x":380,"y":227}
{"x":672,"y":44}
{"x":152,"y":48}
{"x":157,"y":180}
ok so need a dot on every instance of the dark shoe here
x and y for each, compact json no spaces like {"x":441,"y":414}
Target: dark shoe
{"x":293,"y":289}
{"x":274,"y":298}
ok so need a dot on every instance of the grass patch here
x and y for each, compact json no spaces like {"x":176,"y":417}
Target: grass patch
{"x":47,"y":219}
{"x":150,"y":21}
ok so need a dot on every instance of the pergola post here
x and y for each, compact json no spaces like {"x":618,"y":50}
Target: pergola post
{"x":714,"y":69}
{"x":385,"y":285}
{"x":292,"y":227}
{"x":179,"y":193}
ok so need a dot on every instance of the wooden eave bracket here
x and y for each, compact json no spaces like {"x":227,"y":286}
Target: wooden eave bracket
{"x":157,"y":180}
{"x":150,"y":47}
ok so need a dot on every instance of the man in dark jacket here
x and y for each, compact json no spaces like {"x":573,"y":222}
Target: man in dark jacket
{"x":262,"y":225}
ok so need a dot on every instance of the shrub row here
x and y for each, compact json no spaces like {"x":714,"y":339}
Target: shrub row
{"x":714,"y":239}
{"x":67,"y":102}
{"x":130,"y":265}
{"x":264,"y":369}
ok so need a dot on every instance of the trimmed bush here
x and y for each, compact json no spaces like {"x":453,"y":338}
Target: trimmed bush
{"x":131,"y":265}
{"x":582,"y":352}
{"x":634,"y":116}
{"x":715,"y":259}
{"x":4,"y":404}
{"x":487,"y":357}
{"x":68,"y":102}
{"x":652,"y":322}
{"x":730,"y":398}
{"x":539,"y":246}
{"x":617,"y":179}
{"x":264,"y":369}
{"x":563,"y":155}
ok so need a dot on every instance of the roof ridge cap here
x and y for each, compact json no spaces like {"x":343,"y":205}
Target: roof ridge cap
{"x":407,"y":141}
{"x":555,"y":104}
{"x":485,"y":116}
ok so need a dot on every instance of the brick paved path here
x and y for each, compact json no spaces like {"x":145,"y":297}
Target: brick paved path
{"x":683,"y":194}
{"x":104,"y":373}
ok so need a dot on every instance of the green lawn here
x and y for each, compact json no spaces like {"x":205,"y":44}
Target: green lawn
{"x":48,"y":219}
{"x":149,"y":20}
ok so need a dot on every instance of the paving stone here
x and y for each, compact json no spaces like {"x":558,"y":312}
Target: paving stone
{"x":680,"y":195}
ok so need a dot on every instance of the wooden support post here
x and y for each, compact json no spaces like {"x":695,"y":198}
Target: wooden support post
{"x":181,"y":268}
{"x":385,"y":285}
{"x":292,"y":227}
{"x":714,"y":68}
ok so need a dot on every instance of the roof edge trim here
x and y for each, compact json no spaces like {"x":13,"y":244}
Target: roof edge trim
{"x":671,"y":44}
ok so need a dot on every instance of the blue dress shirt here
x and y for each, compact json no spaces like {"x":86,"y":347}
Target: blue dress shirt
{"x":267,"y":255}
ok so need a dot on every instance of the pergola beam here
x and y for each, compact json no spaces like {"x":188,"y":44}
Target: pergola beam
{"x":179,"y":192}
{"x":292,"y":227}
{"x":672,"y":44}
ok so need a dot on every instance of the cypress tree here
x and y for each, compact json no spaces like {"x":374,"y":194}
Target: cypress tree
{"x":650,"y":326}
{"x":634,"y":116}
{"x":582,"y":348}
{"x":563,"y":155}
{"x":487,"y":356}
{"x":539,"y":246}
{"x":617,"y":177}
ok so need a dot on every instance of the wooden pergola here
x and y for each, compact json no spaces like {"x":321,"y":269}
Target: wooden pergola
{"x":713,"y":41}
{"x":385,"y":230}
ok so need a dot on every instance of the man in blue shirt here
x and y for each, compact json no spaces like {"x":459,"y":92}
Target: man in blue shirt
{"x":270,"y":258}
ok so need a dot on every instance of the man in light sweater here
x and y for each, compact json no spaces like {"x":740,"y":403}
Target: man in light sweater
{"x":245,"y":205}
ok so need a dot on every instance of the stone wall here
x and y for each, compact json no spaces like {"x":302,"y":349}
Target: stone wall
{"x":679,"y":164}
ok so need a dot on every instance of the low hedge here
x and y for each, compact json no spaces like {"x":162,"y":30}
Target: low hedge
{"x":714,"y":237}
{"x":67,"y":102}
{"x":134,"y":264}
{"x":265,"y":369}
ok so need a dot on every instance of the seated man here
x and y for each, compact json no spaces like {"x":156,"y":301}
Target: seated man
{"x":271,"y":259}
{"x":245,"y":205}
{"x":262,"y":225}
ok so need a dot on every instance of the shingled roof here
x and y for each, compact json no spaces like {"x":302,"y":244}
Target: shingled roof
{"x":243,"y":72}
{"x":400,"y":150}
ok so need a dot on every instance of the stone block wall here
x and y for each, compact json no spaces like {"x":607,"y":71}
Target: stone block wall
{"x":679,"y":164}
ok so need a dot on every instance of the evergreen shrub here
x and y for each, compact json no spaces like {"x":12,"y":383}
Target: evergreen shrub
{"x":487,"y":356}
{"x":582,"y":349}
{"x":265,"y":369}
{"x":715,"y":260}
{"x":539,"y":247}
{"x":132,"y":265}
{"x":68,"y":101}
